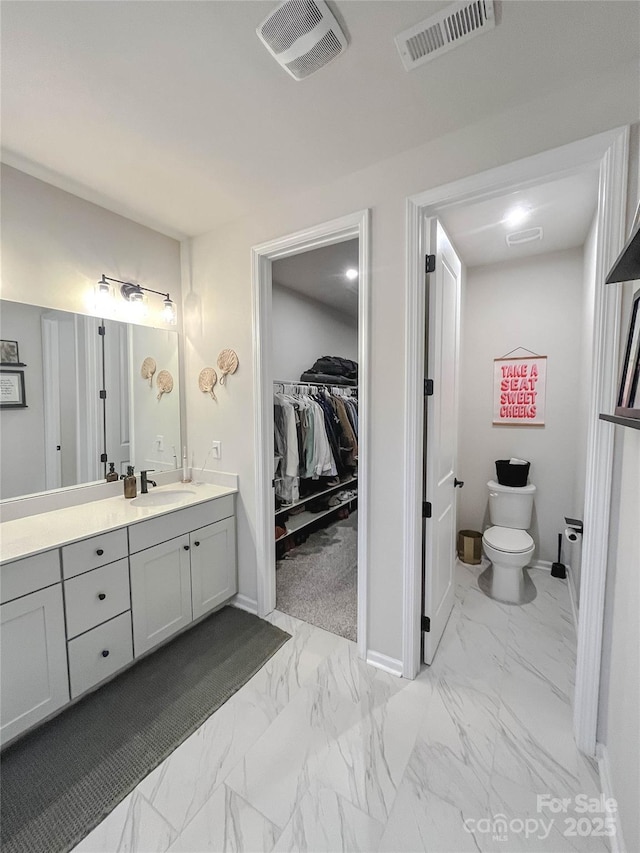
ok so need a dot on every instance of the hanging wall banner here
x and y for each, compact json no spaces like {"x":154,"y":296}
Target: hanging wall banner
{"x":519,"y":387}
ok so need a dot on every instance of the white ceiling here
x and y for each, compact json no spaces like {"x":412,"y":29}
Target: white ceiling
{"x":320,"y":275}
{"x":174,"y":114}
{"x":564,"y":209}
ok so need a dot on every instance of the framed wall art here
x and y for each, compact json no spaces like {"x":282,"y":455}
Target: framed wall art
{"x":9,"y":353}
{"x":12,"y":394}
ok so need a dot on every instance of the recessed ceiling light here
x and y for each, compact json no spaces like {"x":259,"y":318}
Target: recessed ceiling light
{"x":516,"y":216}
{"x":351,"y":274}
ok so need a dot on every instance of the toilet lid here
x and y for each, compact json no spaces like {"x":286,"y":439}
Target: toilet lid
{"x":508,"y":539}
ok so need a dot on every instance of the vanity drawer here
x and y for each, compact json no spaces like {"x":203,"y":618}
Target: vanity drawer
{"x":29,"y":575}
{"x":88,"y":663}
{"x":91,"y":553}
{"x":146,"y":534}
{"x":96,"y":596}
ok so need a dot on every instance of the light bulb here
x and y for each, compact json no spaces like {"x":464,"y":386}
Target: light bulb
{"x":103,"y":301}
{"x":351,"y":274}
{"x":169,"y":312}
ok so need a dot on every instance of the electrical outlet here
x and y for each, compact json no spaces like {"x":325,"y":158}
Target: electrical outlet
{"x":216,"y":447}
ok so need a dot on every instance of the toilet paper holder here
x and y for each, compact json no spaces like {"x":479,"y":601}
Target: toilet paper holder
{"x":574,"y":524}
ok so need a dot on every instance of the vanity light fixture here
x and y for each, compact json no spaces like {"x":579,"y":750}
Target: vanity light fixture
{"x":134,"y":294}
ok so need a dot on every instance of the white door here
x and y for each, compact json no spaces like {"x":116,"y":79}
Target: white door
{"x":213,"y":565}
{"x":33,"y":665}
{"x":51,"y":384}
{"x":160,"y":592}
{"x":116,"y":383}
{"x":441,"y":434}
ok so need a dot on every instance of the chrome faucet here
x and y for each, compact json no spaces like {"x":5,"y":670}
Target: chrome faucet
{"x":144,"y":481}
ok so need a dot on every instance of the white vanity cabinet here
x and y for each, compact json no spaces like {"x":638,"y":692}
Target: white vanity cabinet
{"x":181,"y":579}
{"x":160,"y":592}
{"x":213,"y":566}
{"x":79,"y":613}
{"x":33,"y":657}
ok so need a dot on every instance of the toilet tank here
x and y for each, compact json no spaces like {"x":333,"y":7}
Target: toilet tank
{"x":510,"y":506}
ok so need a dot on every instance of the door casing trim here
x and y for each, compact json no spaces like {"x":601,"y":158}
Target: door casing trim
{"x":609,"y":153}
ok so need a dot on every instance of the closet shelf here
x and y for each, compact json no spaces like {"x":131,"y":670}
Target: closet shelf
{"x":634,"y":423}
{"x":299,"y":522}
{"x":315,"y":495}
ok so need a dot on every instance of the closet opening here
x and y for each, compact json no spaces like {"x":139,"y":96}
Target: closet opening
{"x":315,"y":402}
{"x":311,"y":327}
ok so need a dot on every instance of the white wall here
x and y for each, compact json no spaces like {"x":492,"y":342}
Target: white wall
{"x":55,"y":246}
{"x":23,"y":473}
{"x":534,"y":303}
{"x":305,"y":329}
{"x":218,"y":307}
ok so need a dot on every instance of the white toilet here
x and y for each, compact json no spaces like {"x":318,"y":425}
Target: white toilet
{"x":508,"y":545}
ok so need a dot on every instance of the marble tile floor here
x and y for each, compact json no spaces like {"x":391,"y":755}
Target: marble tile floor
{"x":321,"y":752}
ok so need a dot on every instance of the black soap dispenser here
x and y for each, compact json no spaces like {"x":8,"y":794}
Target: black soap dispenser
{"x":130,"y":485}
{"x":112,"y":476}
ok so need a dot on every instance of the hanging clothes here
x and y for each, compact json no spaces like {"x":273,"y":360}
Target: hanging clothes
{"x":315,"y":436}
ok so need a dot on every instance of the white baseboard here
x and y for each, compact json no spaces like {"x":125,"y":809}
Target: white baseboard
{"x":604,"y":768}
{"x":243,"y":602}
{"x":391,"y":665}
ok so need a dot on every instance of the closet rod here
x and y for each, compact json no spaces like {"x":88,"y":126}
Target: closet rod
{"x":327,"y":384}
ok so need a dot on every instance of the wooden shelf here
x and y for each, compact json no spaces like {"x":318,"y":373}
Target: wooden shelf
{"x":627,"y":265}
{"x":634,"y":423}
{"x":315,"y":495}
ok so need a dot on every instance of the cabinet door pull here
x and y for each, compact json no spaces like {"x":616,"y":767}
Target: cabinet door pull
{"x":100,"y":552}
{"x":186,"y":547}
{"x":105,"y":653}
{"x":102,"y":596}
{"x":197,"y":544}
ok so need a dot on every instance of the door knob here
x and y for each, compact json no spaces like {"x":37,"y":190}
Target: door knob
{"x":457,"y":483}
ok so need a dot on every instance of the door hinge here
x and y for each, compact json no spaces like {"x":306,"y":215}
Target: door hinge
{"x":430,"y":263}
{"x":101,"y":330}
{"x":428,"y":387}
{"x":426,"y":509}
{"x":103,"y":457}
{"x":425,"y":624}
{"x":103,"y":394}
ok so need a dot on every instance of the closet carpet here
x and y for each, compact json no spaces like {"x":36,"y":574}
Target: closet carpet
{"x":61,"y":780}
{"x":317,"y":581}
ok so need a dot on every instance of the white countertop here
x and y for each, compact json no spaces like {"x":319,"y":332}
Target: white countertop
{"x":36,"y":533}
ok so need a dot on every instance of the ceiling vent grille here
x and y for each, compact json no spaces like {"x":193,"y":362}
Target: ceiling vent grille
{"x":303,"y":36}
{"x":443,"y":31}
{"x":517,"y":238}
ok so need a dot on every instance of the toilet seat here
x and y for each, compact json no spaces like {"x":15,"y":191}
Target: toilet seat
{"x":508,"y":539}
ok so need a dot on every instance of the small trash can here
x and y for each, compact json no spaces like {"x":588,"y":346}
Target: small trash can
{"x":511,"y":473}
{"x":470,"y":547}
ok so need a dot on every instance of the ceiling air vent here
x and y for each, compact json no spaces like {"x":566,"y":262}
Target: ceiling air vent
{"x":443,"y":31}
{"x":517,"y":238}
{"x":303,"y":36}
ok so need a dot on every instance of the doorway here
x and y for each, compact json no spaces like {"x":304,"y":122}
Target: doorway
{"x":608,"y":154}
{"x":345,"y":229}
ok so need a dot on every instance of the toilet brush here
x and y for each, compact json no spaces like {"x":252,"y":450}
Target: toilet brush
{"x":559,"y":570}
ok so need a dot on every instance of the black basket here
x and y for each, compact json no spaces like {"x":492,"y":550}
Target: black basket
{"x":510,"y":474}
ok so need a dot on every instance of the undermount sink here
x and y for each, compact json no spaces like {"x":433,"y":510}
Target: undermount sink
{"x":162,"y":498}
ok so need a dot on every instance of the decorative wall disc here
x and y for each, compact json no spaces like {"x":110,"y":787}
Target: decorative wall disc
{"x":148,"y":369}
{"x":164,"y":382}
{"x":227,"y":363}
{"x":207,"y":380}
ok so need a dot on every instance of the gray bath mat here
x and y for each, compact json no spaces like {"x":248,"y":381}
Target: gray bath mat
{"x":60,"y":781}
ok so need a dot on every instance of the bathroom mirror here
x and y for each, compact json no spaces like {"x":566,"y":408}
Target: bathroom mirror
{"x":85,"y":398}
